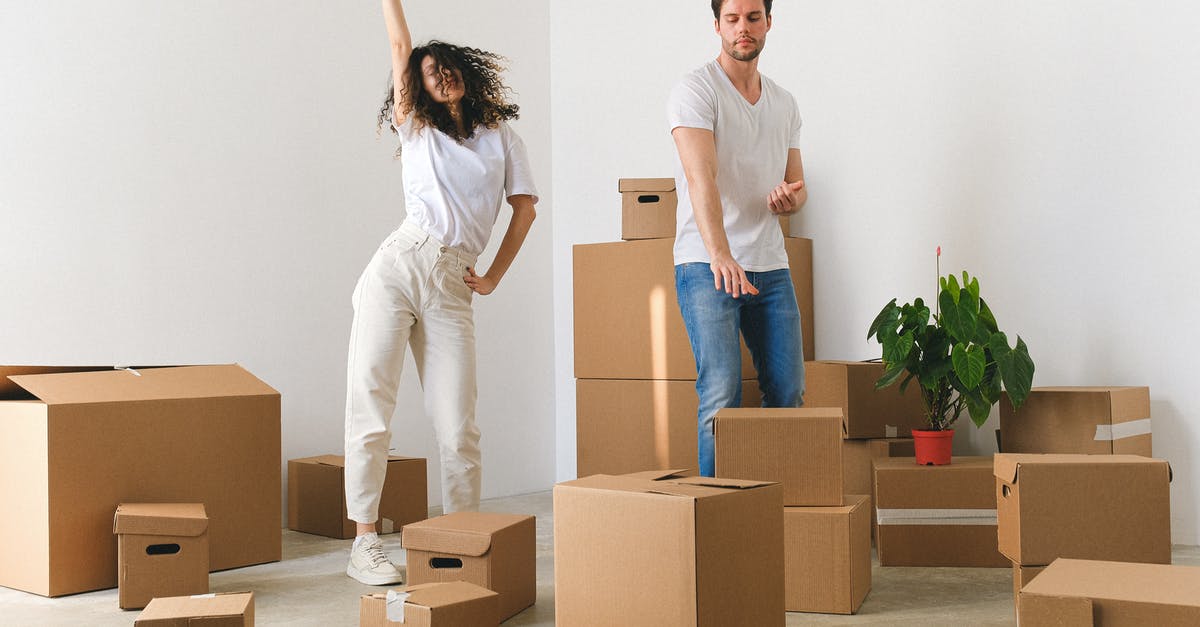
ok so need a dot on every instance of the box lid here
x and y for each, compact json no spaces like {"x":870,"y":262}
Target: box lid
{"x":670,"y":486}
{"x":733,"y":414}
{"x":1007,"y":465}
{"x":1119,"y":581}
{"x":160,"y":519}
{"x":437,"y":594}
{"x":10,"y":390}
{"x":339,"y":461}
{"x":212,"y":605}
{"x":143,"y":385}
{"x":460,"y":533}
{"x":646,"y":185}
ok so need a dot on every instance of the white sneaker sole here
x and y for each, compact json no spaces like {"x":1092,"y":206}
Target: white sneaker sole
{"x":373,"y":580}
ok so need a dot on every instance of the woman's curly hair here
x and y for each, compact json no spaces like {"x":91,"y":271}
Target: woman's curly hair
{"x":485,"y":99}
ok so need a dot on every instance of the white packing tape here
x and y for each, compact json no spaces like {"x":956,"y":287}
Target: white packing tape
{"x":890,"y":431}
{"x":936,"y":517}
{"x":395,"y":605}
{"x":1122,"y":430}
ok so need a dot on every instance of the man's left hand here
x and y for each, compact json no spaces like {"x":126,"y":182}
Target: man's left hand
{"x":785,"y":199}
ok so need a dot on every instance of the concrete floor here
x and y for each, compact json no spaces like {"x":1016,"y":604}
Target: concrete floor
{"x":310,"y":587}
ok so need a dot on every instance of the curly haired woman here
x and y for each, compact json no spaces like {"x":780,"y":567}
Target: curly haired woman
{"x":460,"y":159}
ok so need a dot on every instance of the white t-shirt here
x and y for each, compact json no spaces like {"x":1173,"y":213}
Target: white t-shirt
{"x":752,"y":151}
{"x":454,"y":191}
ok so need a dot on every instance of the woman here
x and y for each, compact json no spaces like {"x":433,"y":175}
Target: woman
{"x":460,"y":160}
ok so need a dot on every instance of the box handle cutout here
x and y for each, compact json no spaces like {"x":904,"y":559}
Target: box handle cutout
{"x":162,"y":549}
{"x":1004,"y":491}
{"x":648,"y":198}
{"x":445,"y":562}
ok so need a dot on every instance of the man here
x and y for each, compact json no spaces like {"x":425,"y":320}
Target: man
{"x":737,"y":134}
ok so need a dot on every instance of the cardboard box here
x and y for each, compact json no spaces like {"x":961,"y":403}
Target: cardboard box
{"x":1089,"y":420}
{"x":162,"y":551}
{"x":858,"y":472}
{"x":936,"y":515}
{"x":827,"y":556}
{"x":628,"y":425}
{"x":668,"y":552}
{"x":450,"y":604}
{"x":496,"y":551}
{"x":317,"y":495}
{"x":222,"y":609}
{"x":648,"y":209}
{"x":870,"y":413}
{"x":627,"y":320}
{"x":74,"y":445}
{"x":799,"y":448}
{"x":1022,"y":575}
{"x":1111,"y":594}
{"x":1111,"y":507}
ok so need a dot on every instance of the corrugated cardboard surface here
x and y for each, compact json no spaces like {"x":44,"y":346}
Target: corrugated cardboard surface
{"x":1109,"y":507}
{"x":1119,"y":594}
{"x":630,"y":550}
{"x":144,"y":573}
{"x":497,"y":551}
{"x":1022,"y":575}
{"x":317,"y":495}
{"x":870,"y":413}
{"x":628,"y":425}
{"x":827,"y":557}
{"x":627,"y":320}
{"x":201,"y":434}
{"x":800,"y":448}
{"x":450,"y":604}
{"x":648,"y":208}
{"x":858,"y":473}
{"x":966,"y":484}
{"x":228,"y":609}
{"x":1065,"y":420}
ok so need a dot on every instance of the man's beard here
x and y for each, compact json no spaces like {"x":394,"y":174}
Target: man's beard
{"x":746,"y":56}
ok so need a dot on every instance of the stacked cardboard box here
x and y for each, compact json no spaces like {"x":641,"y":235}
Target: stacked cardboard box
{"x":636,"y":399}
{"x":317,"y":495}
{"x":162,"y":551}
{"x":1090,"y":420}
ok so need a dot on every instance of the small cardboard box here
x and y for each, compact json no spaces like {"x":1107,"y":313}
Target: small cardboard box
{"x":627,"y":320}
{"x":870,"y":413}
{"x":77,"y":442}
{"x":222,"y":609}
{"x":317,"y":495}
{"x":1111,"y":594}
{"x":858,"y":473}
{"x":450,"y":604}
{"x":162,"y":551}
{"x":496,"y":551}
{"x":799,"y":448}
{"x":668,"y":552}
{"x":647,"y":208}
{"x":1089,"y":420}
{"x":1110,"y":507}
{"x":1022,"y":575}
{"x":827,"y":557}
{"x":628,"y":425}
{"x":936,"y":515}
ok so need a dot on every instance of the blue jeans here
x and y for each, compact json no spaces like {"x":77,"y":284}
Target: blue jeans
{"x":770,"y":323}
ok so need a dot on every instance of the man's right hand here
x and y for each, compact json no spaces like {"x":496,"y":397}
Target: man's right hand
{"x":729,"y":276}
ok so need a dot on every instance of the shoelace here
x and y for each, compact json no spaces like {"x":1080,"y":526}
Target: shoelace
{"x":375,"y":554}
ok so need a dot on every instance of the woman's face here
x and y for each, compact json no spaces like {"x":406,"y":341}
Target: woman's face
{"x":451,"y":88}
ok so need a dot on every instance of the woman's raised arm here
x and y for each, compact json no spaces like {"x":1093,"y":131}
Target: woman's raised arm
{"x":401,"y":40}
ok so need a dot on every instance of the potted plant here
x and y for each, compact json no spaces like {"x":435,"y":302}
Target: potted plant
{"x":958,"y":356}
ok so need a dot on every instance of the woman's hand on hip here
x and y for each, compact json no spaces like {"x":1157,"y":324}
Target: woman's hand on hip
{"x":481,"y":285}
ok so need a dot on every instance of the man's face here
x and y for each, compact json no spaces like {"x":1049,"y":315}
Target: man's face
{"x":743,"y":27}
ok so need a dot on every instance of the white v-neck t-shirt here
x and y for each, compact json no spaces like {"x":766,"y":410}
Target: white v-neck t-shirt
{"x":753,"y":141}
{"x":454,"y":191}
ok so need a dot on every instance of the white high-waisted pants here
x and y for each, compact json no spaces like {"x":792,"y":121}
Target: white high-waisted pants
{"x":412,"y":292}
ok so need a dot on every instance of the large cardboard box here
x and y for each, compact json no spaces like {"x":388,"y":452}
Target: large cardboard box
{"x":162,"y":551}
{"x":672,"y":551}
{"x":1089,"y":420}
{"x":627,"y":320}
{"x":936,"y":515}
{"x":317,"y":495}
{"x":496,"y":551}
{"x":629,"y":425}
{"x":449,"y":604}
{"x":1111,"y":594}
{"x":648,"y":209}
{"x":222,"y":609}
{"x":858,"y":472}
{"x":1108,"y":507}
{"x":1022,"y":575}
{"x":870,"y":413}
{"x":827,"y":556}
{"x":799,"y":448}
{"x":74,"y":445}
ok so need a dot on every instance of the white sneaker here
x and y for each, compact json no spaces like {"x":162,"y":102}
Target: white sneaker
{"x":370,"y":565}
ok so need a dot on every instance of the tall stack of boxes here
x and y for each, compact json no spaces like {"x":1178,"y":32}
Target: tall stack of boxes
{"x":636,"y":397}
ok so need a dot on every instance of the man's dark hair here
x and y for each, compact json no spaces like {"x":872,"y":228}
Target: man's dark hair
{"x":717,"y":4}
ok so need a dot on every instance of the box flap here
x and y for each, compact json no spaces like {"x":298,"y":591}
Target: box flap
{"x":11,"y":391}
{"x":1119,"y":581}
{"x":460,"y":533}
{"x":199,"y":606}
{"x":160,"y":519}
{"x":434,"y":595}
{"x":144,"y":385}
{"x":329,"y":460}
{"x":646,"y":185}
{"x":656,"y":475}
{"x":1007,"y":465}
{"x":760,"y":413}
{"x":718,"y":482}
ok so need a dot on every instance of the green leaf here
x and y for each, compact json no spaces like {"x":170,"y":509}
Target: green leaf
{"x":969,"y":364}
{"x":986,"y":319}
{"x":1018,"y":377}
{"x":897,"y":351}
{"x":890,"y":375}
{"x":889,"y":312}
{"x":960,"y":316}
{"x":980,"y":410}
{"x":949,"y":286}
{"x":971,"y":285}
{"x":905,"y":382}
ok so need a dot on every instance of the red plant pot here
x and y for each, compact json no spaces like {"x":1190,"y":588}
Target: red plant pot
{"x":933,"y":447}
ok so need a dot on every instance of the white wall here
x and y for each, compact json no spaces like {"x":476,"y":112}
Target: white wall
{"x":190,"y":182}
{"x":1049,"y":148}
